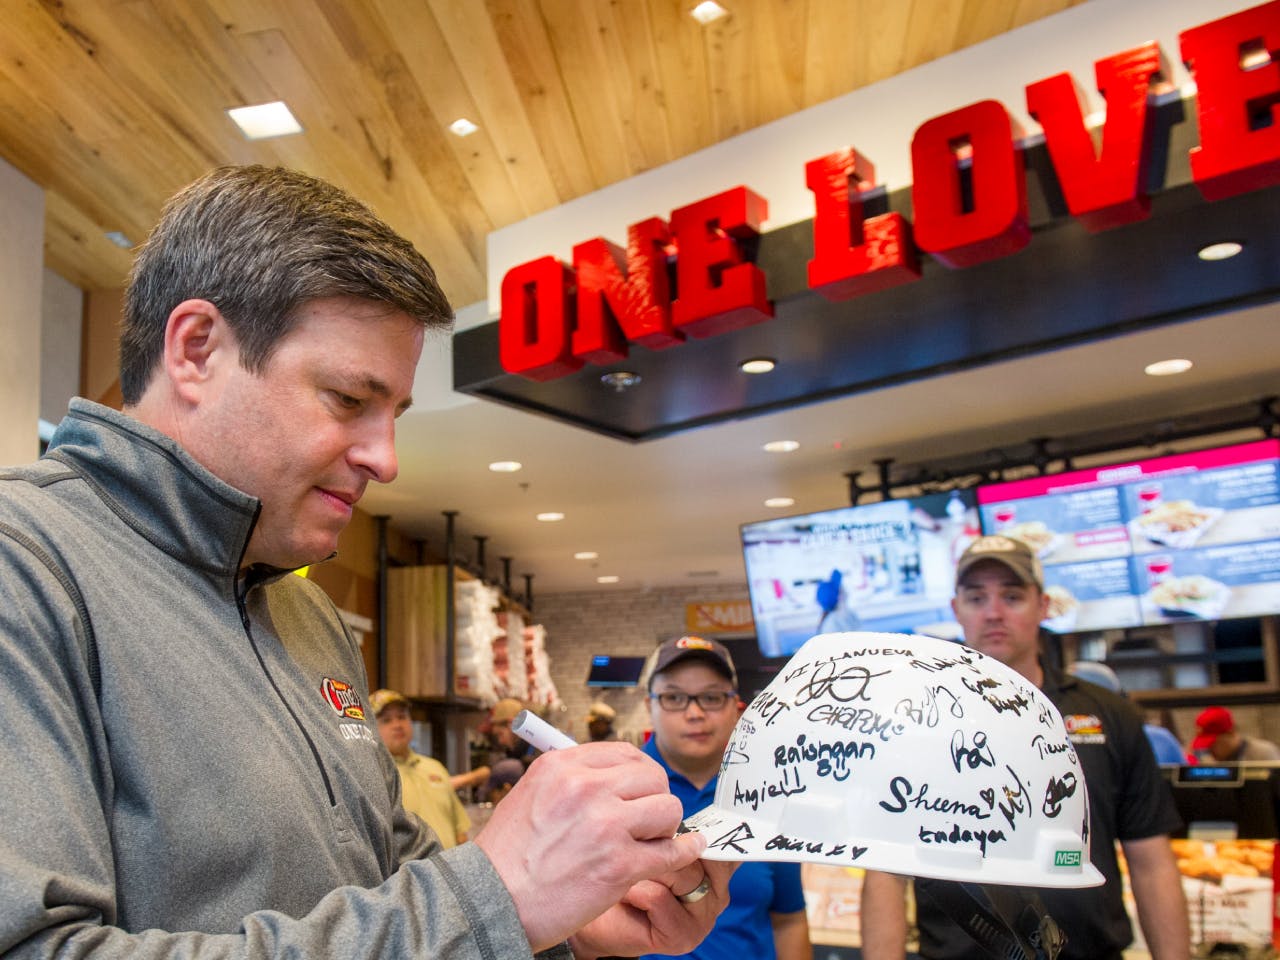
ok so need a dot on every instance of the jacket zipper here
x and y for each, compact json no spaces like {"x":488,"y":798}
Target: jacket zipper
{"x":253,"y":642}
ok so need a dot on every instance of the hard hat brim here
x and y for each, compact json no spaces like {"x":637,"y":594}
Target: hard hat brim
{"x":731,"y":836}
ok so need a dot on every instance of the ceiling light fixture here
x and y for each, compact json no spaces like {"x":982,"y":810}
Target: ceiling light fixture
{"x":1254,"y":55}
{"x":1167,"y":368}
{"x":505,"y":466}
{"x":1220,"y":251}
{"x":608,"y":579}
{"x":119,"y":239}
{"x":620,"y":379}
{"x":757,"y":365}
{"x":780,"y":502}
{"x":585,"y":555}
{"x":463,"y":127}
{"x":780,"y":446}
{"x":708,"y":12}
{"x":551,"y":516}
{"x":265,"y":120}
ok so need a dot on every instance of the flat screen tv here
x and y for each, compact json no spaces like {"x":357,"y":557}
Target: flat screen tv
{"x":887,"y":566}
{"x":1191,"y":536}
{"x":610,"y":671}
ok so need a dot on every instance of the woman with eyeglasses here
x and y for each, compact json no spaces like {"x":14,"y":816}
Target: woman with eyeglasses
{"x":693,"y":706}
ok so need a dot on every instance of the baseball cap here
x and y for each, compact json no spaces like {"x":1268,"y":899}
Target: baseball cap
{"x":379,"y":700}
{"x":505,"y":772}
{"x":691,"y":647}
{"x":602,"y":711}
{"x":1096,"y":673}
{"x":505,"y":710}
{"x":1010,"y":552}
{"x":1212,"y":722}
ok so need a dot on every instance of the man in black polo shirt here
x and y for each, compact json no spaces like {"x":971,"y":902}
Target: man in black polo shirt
{"x":999,"y":603}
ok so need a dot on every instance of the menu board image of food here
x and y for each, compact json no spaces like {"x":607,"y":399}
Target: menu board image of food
{"x":1183,"y":505}
{"x":1195,"y":535}
{"x":1213,"y":583}
{"x":887,"y":566}
{"x":1071,"y":526}
{"x":1090,"y":596}
{"x":1077,"y":528}
{"x":1206,"y":534}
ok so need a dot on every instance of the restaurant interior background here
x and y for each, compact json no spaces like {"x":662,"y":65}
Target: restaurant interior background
{"x":593,"y":116}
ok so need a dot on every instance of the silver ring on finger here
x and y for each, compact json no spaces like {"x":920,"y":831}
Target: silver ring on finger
{"x":698,"y":892}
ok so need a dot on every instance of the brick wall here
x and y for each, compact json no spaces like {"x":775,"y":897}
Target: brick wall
{"x":617,"y":622}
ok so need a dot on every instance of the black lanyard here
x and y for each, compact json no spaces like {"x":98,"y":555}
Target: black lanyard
{"x":1010,"y":923}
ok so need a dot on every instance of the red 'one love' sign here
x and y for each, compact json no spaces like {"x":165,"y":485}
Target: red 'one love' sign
{"x":555,"y":318}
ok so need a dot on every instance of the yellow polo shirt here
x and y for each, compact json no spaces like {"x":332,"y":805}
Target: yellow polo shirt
{"x":424,"y":786}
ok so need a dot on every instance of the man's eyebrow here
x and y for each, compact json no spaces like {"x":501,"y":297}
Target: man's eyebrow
{"x":1011,"y":582}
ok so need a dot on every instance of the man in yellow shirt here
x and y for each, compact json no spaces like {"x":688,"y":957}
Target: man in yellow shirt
{"x":424,"y":782}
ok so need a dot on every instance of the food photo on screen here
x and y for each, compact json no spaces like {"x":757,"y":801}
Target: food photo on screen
{"x":1187,"y":536}
{"x":1064,"y":519}
{"x":1211,"y":498}
{"x":887,"y":566}
{"x":1097,"y":595}
{"x":1212,"y":583}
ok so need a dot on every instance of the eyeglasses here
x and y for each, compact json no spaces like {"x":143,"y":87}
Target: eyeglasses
{"x":711,"y":701}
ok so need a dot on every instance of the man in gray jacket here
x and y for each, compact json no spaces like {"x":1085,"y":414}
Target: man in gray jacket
{"x":192,"y":765}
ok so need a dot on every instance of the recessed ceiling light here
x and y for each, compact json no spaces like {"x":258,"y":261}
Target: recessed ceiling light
{"x":781,"y":446}
{"x":609,"y":579}
{"x":1220,"y":251}
{"x":550,"y":516}
{"x":265,"y":120}
{"x":505,"y":466}
{"x":1254,"y":55}
{"x":708,"y":12}
{"x":463,"y":127}
{"x":585,"y":555}
{"x":780,"y":502}
{"x":757,"y":365}
{"x":119,"y":239}
{"x":1167,"y":368}
{"x":620,"y":379}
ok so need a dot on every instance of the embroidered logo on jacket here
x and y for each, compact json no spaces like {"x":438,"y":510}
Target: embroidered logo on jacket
{"x":1084,"y":728}
{"x":342,"y":697}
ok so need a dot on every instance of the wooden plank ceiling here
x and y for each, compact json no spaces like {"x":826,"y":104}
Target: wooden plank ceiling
{"x":111,"y":105}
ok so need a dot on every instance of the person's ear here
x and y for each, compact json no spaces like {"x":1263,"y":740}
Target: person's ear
{"x":197,"y":344}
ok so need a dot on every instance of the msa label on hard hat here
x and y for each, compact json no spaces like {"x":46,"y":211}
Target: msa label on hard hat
{"x":907,"y":754}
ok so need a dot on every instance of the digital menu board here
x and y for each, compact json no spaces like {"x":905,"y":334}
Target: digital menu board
{"x":887,"y":566}
{"x":1186,"y":536}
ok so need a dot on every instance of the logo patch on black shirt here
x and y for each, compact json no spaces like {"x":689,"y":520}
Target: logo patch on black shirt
{"x":1084,"y":728}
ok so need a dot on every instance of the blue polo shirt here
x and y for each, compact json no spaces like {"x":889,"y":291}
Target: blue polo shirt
{"x":744,"y":930}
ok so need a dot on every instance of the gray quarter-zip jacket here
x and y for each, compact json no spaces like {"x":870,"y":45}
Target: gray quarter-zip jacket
{"x":189,"y":768}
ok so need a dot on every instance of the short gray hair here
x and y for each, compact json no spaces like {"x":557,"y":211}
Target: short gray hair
{"x":258,"y":242}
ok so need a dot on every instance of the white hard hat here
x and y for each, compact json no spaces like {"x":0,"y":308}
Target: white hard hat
{"x":905,"y":754}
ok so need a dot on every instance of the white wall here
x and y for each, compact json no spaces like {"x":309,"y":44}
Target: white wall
{"x":61,"y":312}
{"x":21,"y":279}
